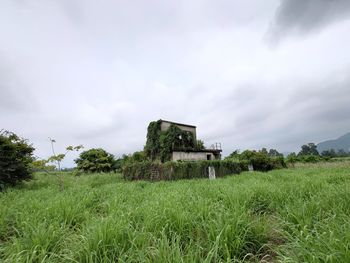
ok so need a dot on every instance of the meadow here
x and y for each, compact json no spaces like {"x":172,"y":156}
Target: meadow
{"x":301,"y":214}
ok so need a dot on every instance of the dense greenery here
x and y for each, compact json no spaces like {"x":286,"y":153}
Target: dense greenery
{"x":308,"y":149}
{"x":288,"y":215}
{"x":15,"y":159}
{"x":96,"y":161}
{"x":310,"y":154}
{"x":333,"y":153}
{"x":152,"y":147}
{"x":260,"y":160}
{"x":160,"y":144}
{"x":175,"y":139}
{"x":179,"y":170}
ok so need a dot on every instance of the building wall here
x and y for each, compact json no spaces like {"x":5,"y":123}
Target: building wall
{"x":165,"y":125}
{"x":192,"y":156}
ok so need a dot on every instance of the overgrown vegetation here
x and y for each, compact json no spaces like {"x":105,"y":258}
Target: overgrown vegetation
{"x":288,"y":215}
{"x":96,"y":161}
{"x":160,"y":144}
{"x":152,"y":147}
{"x":179,"y":170}
{"x":16,"y":156}
{"x":260,"y":160}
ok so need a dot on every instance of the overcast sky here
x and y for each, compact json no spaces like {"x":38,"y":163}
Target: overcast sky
{"x":247,"y":73}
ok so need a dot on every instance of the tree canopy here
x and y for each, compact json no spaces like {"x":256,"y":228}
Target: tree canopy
{"x":96,"y":161}
{"x":16,"y":156}
{"x":309,"y":149}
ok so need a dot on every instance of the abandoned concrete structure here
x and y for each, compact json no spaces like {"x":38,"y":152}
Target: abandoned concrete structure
{"x":192,"y":155}
{"x":164,"y":125}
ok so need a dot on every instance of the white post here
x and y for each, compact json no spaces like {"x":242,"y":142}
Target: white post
{"x":211,"y":171}
{"x":250,"y":168}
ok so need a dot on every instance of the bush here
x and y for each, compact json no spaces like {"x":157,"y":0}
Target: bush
{"x":179,"y":170}
{"x":261,"y":161}
{"x":15,"y":159}
{"x":311,"y":158}
{"x":96,"y":161}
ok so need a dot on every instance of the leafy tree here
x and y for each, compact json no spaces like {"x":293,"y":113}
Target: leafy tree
{"x":329,"y":153}
{"x":260,"y":160}
{"x":58,"y":158}
{"x":308,"y":149}
{"x":138,"y":156}
{"x":42,"y":165}
{"x":264,"y":151}
{"x":274,"y":153}
{"x":342,"y":153}
{"x":96,"y":161}
{"x":199,"y":145}
{"x":234,"y":156}
{"x":16,"y":156}
{"x":292,"y":158}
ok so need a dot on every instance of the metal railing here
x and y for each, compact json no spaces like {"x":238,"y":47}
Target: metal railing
{"x":216,"y":146}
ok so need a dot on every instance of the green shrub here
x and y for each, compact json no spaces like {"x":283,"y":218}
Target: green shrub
{"x":15,"y":159}
{"x":179,"y":170}
{"x":310,"y":158}
{"x":260,"y":160}
{"x":96,"y":161}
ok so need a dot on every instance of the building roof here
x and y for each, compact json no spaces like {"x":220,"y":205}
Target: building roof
{"x":176,"y":123}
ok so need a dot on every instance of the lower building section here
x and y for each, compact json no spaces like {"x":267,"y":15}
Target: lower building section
{"x":196,"y":155}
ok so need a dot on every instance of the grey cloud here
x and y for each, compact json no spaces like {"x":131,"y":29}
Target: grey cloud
{"x":310,"y":112}
{"x":304,"y":16}
{"x":98,"y":73}
{"x":14,"y":95}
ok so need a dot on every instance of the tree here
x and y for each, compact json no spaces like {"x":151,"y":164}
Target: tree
{"x":16,"y":156}
{"x":308,"y":149}
{"x":199,"y":145}
{"x":260,"y":160}
{"x":329,"y":153}
{"x":292,"y":158}
{"x":96,"y":161}
{"x":58,"y":158}
{"x":264,"y":151}
{"x":234,"y":156}
{"x":274,"y":153}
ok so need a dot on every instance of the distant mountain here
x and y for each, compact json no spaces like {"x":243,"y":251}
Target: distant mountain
{"x":342,"y":142}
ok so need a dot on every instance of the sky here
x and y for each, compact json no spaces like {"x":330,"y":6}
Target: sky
{"x":247,"y":73}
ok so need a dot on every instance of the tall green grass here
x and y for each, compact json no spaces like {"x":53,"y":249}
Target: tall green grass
{"x":291,"y":215}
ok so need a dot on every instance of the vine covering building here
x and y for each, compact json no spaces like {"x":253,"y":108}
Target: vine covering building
{"x":167,"y":140}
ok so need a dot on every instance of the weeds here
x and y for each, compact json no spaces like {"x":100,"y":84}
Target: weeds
{"x":290,"y":215}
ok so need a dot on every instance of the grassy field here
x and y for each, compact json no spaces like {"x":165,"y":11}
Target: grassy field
{"x":291,"y":215}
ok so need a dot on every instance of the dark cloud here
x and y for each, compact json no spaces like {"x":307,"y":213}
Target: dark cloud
{"x":304,"y":16}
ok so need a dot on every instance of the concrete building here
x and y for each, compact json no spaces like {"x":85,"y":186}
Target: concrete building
{"x":192,"y":155}
{"x":164,"y":125}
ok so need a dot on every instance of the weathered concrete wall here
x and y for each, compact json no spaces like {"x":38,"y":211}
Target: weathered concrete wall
{"x":192,"y":156}
{"x":165,"y":125}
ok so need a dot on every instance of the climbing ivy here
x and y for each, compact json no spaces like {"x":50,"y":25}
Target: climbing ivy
{"x":175,"y":139}
{"x":160,"y":144}
{"x":152,"y":147}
